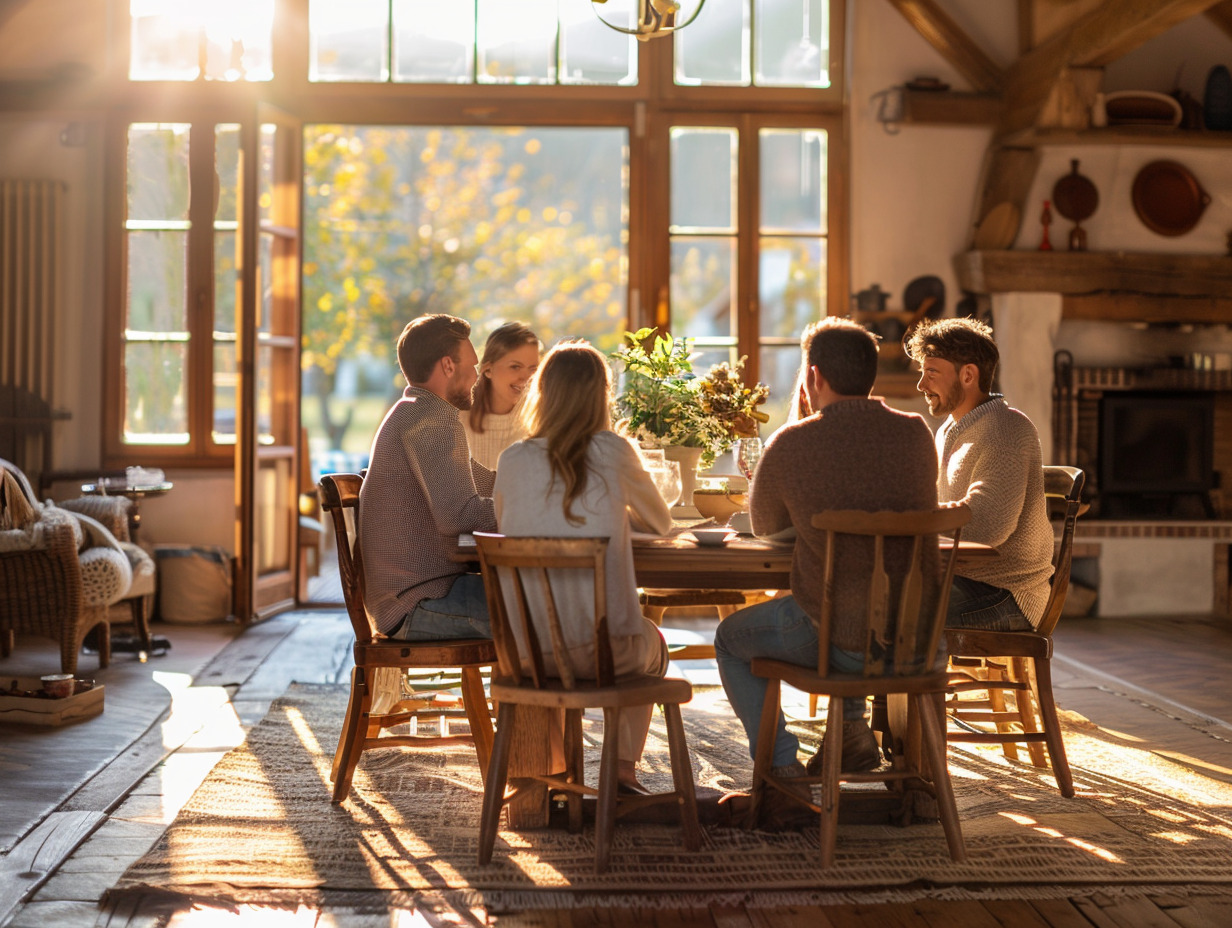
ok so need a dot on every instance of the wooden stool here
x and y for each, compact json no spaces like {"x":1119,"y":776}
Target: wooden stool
{"x":656,"y":602}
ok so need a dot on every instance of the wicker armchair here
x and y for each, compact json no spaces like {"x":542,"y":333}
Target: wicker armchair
{"x":137,"y":606}
{"x":59,"y":575}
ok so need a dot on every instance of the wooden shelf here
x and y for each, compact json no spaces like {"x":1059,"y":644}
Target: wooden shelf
{"x":947,"y":107}
{"x":1088,"y":272}
{"x":1119,"y":135}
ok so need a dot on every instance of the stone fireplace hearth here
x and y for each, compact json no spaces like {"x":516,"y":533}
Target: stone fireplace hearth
{"x":1174,"y":559}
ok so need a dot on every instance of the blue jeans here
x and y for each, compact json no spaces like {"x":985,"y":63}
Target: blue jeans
{"x":779,"y":629}
{"x":981,"y":605}
{"x":460,"y":613}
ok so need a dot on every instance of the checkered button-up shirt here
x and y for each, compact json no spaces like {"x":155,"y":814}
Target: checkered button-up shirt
{"x":422,"y":490}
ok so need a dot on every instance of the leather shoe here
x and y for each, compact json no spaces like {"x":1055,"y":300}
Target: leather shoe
{"x":861,"y":752}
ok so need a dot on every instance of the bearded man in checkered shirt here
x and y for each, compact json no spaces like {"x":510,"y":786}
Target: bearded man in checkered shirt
{"x":423,"y":490}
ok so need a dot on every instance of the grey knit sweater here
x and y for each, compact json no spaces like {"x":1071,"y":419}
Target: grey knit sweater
{"x":855,"y":454}
{"x":991,"y":460}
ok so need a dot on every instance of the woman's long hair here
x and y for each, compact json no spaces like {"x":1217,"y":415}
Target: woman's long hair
{"x":569,"y":402}
{"x":504,"y":339}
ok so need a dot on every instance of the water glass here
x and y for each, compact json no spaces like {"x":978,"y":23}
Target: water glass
{"x":748,"y":453}
{"x":666,"y":476}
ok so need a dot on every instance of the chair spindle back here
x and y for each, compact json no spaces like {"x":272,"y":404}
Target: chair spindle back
{"x":340,"y":498}
{"x":516,"y":577}
{"x":894,"y":636}
{"x":1061,"y":483}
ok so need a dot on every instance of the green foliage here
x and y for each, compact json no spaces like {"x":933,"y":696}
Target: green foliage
{"x":487,"y":224}
{"x":664,"y":402}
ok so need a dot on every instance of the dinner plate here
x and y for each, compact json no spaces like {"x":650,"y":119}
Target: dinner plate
{"x":1168,"y":198}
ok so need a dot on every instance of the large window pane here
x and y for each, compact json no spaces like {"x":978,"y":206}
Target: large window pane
{"x":349,"y":41}
{"x":156,"y":404}
{"x":590,"y":52}
{"x":714,"y":49}
{"x":157,"y":285}
{"x":703,"y":175}
{"x":170,"y":37}
{"x":226,"y":385}
{"x":793,"y":180}
{"x":791,"y":46}
{"x":779,"y":366}
{"x":517,"y":41}
{"x":157,"y":171}
{"x":703,"y":284}
{"x":434,"y":41}
{"x":488,"y":224}
{"x":791,"y":285}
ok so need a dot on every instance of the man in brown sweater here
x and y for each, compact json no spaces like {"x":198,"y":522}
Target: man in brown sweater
{"x":850,"y":452}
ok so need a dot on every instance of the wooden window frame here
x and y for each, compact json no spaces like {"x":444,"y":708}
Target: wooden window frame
{"x":654,"y":102}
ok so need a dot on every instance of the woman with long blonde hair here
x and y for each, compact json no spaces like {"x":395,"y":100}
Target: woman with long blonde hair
{"x":574,"y":477}
{"x":510,"y":357}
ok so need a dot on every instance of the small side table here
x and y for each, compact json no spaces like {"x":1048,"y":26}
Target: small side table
{"x":119,"y":486}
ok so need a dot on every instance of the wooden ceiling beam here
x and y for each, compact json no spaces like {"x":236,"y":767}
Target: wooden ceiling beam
{"x":1091,"y":42}
{"x":955,"y":46}
{"x":1221,"y":16}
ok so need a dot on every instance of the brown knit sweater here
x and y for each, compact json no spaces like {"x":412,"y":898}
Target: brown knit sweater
{"x":854,"y":454}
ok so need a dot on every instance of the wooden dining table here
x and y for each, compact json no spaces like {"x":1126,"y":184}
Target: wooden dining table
{"x":673,"y":562}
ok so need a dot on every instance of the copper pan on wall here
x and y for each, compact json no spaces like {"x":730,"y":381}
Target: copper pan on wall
{"x":1168,"y":199}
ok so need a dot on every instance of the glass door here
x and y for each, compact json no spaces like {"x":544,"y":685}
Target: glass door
{"x":267,"y":365}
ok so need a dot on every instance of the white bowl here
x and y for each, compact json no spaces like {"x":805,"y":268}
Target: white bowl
{"x":712,"y":537}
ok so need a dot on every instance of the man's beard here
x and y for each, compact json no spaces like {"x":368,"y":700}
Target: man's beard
{"x":458,"y":396}
{"x":948,"y":403}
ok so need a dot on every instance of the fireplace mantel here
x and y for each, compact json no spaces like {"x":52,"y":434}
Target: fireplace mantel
{"x":1087,"y":272}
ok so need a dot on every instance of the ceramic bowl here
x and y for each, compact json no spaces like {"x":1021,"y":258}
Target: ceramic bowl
{"x":719,"y":505}
{"x":712,"y":537}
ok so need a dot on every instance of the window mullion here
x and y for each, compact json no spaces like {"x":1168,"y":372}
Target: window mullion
{"x":747,"y":241}
{"x":200,"y":309}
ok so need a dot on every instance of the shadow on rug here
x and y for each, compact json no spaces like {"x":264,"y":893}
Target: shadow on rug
{"x":262,"y":829}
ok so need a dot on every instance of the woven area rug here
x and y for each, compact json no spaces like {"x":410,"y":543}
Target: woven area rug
{"x":261,"y":829}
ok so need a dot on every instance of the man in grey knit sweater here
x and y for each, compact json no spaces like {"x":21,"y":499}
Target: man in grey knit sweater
{"x":848,"y":452}
{"x":989,"y":457}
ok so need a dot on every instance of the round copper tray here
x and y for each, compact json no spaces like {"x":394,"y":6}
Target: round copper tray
{"x":1168,"y":198}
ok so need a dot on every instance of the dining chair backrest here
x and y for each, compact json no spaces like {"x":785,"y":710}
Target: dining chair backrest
{"x":524,"y":609}
{"x":1063,"y":484}
{"x":902,"y":637}
{"x":340,"y":498}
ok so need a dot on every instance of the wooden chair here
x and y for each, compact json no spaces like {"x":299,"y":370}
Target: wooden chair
{"x":361,"y":730}
{"x":509,"y":566}
{"x":655,"y":604}
{"x":902,"y":642}
{"x":1018,"y":662}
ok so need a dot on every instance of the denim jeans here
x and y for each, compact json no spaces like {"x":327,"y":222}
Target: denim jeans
{"x":779,"y":629}
{"x":460,"y":613}
{"x":981,"y":605}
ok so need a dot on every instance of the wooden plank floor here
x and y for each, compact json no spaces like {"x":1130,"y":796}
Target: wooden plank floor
{"x":75,"y":812}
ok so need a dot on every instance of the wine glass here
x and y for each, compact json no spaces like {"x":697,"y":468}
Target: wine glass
{"x":748,"y":453}
{"x":666,"y":476}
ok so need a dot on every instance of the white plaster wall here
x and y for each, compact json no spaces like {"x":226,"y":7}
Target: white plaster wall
{"x":1142,"y":576}
{"x":912,"y":193}
{"x":199,"y":510}
{"x":1115,"y":226}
